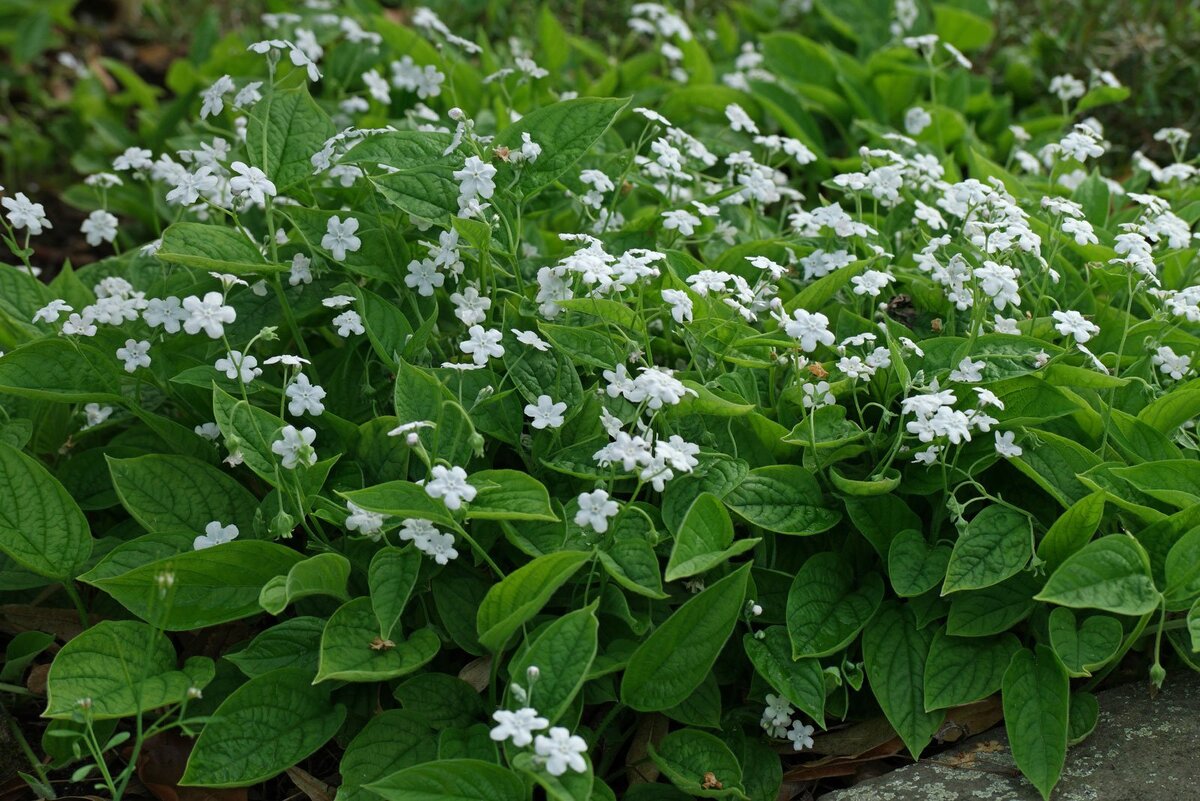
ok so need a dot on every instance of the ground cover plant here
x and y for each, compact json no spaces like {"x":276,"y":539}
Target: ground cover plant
{"x":454,"y":416}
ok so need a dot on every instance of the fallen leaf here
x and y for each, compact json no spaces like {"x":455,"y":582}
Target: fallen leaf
{"x":310,"y":785}
{"x":477,"y":673}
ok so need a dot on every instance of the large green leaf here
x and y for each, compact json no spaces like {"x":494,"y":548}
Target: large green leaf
{"x":509,"y":495}
{"x":960,"y":670}
{"x":451,"y":780}
{"x":1111,"y":573}
{"x":827,"y":606}
{"x":122,"y":667}
{"x":1036,"y":696}
{"x":41,"y":527}
{"x":60,"y":370}
{"x":914,"y":567}
{"x":782,"y":498}
{"x":293,"y":643}
{"x":391,"y":577}
{"x":264,"y":727}
{"x":996,"y":544}
{"x":704,"y":539}
{"x":521,"y":595}
{"x":563,"y":653}
{"x":391,"y":741}
{"x":800,"y":681}
{"x":213,"y":247}
{"x":1085,"y":646}
{"x":352,"y":650}
{"x":284,"y":130}
{"x":688,"y":756}
{"x":177,"y":493}
{"x":895,"y":652}
{"x":676,"y":657}
{"x":207,"y":587}
{"x":320,"y":574}
{"x":565,"y":131}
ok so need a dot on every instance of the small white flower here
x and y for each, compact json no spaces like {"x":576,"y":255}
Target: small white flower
{"x":968,"y":372}
{"x":304,"y":396}
{"x":517,"y":726}
{"x":339,"y":238}
{"x":916,"y":119}
{"x":531,"y":339}
{"x":301,"y":272}
{"x":561,"y":750}
{"x":680,"y":303}
{"x":450,"y":484}
{"x":236,"y":365}
{"x":483,"y":344}
{"x":287,"y":360}
{"x":546,"y":413}
{"x":349,"y":322}
{"x":294,"y":446}
{"x":215,"y":534}
{"x":96,"y":414}
{"x":135,"y":354}
{"x":24,"y":213}
{"x":337,"y":301}
{"x":51,"y":311}
{"x":801,"y":735}
{"x":209,"y":431}
{"x":475,"y":180}
{"x":364,"y":522}
{"x":809,"y":329}
{"x":1072,"y":323}
{"x":439,"y":546}
{"x":100,"y":226}
{"x":209,"y":314}
{"x":595,"y":509}
{"x":1171,"y":363}
{"x":251,"y":182}
{"x":1005,"y":445}
{"x":682,"y":220}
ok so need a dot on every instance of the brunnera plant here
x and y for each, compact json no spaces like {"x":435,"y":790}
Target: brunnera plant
{"x":536,"y":426}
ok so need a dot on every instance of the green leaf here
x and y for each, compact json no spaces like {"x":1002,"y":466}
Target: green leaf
{"x":210,"y":586}
{"x":270,"y":723}
{"x":391,"y":741}
{"x":996,"y":544}
{"x":570,"y":786}
{"x":419,"y":180}
{"x":177,"y":493}
{"x":351,"y":649}
{"x":41,"y":527}
{"x":509,"y":495}
{"x":521,"y":595}
{"x":705,"y":539}
{"x":1087,"y":646}
{"x":676,"y":657}
{"x":1072,"y":530}
{"x":961,"y":28}
{"x":213,"y":247}
{"x":401,"y":499}
{"x":913,"y":566}
{"x":1183,"y":570}
{"x":391,"y":577}
{"x":629,"y":556}
{"x":124,"y":667}
{"x":960,"y":670}
{"x":60,"y":370}
{"x":1036,"y":696}
{"x":253,"y":430}
{"x":535,"y":373}
{"x":785,"y":499}
{"x":981,"y":613}
{"x":451,"y":780}
{"x":827,"y":607}
{"x":322,"y":574}
{"x":1082,"y":717}
{"x":284,"y":130}
{"x":894,"y":654}
{"x":293,"y":643}
{"x":687,"y":756}
{"x":800,"y":681}
{"x":1111,"y":573}
{"x":441,"y":701}
{"x":563,"y":653}
{"x":565,"y":131}
{"x":1173,"y":481}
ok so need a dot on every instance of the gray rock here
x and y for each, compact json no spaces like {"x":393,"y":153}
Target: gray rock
{"x":1143,"y":749}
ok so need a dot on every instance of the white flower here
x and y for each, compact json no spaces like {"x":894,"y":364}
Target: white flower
{"x":189,"y":186}
{"x":24,"y":213}
{"x":339,"y":238}
{"x":968,"y":372}
{"x":470,"y":306}
{"x":1172,"y":364}
{"x":739,"y":120}
{"x":817,"y":395}
{"x":251,"y":182}
{"x":682,"y":220}
{"x":871,"y":282}
{"x":1072,"y":323}
{"x":475,"y":180}
{"x":51,"y":311}
{"x":167,"y":312}
{"x":518,"y":725}
{"x":546,"y":413}
{"x":988,"y":398}
{"x":561,"y":750}
{"x":135,"y":354}
{"x":287,"y":360}
{"x":100,"y":226}
{"x":927,"y":456}
{"x":809,"y":329}
{"x":450,"y":484}
{"x":96,"y":414}
{"x":214,"y":97}
{"x":1005,"y":445}
{"x":680,"y":303}
{"x":409,"y":428}
{"x":215,"y":534}
{"x":209,"y":314}
{"x":800,"y":735}
{"x":529,"y":152}
{"x":209,"y":431}
{"x":304,"y":396}
{"x":916,"y":119}
{"x":348,"y":322}
{"x":423,"y":276}
{"x":134,"y":158}
{"x":377,"y":86}
{"x":337,"y":301}
{"x":418,"y":532}
{"x":80,"y":325}
{"x":364,"y":522}
{"x":483,"y":344}
{"x":531,"y":339}
{"x":594,"y":510}
{"x":294,"y":446}
{"x":301,"y":272}
{"x":439,"y":546}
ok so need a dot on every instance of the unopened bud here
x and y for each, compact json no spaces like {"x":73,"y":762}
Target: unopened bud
{"x":532,"y":673}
